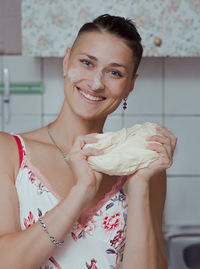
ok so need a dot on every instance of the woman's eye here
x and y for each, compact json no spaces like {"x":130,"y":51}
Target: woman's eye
{"x":86,"y":62}
{"x":115,"y":73}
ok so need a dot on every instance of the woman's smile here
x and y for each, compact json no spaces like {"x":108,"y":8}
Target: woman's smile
{"x":90,"y":97}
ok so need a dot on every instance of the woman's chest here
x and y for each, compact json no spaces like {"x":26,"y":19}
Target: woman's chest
{"x":58,"y":180}
{"x":36,"y":197}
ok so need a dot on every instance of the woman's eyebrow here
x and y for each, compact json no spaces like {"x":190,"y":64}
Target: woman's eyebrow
{"x":89,"y":56}
{"x":111,"y":64}
{"x":118,"y":65}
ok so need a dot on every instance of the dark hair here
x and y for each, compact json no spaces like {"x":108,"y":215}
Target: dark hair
{"x":122,"y":28}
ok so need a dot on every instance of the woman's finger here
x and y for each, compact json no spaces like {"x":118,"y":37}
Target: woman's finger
{"x":160,"y":139}
{"x":158,"y":148}
{"x":91,"y":152}
{"x":166,"y":133}
{"x":162,"y":151}
{"x":82,"y":140}
{"x":165,"y":141}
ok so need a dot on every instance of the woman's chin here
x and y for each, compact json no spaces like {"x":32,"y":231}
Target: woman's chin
{"x":88,"y":115}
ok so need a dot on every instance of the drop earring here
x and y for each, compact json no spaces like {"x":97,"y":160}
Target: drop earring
{"x":125,"y":104}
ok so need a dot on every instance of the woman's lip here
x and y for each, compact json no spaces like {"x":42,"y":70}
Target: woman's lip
{"x":90,"y":93}
{"x":88,"y":100}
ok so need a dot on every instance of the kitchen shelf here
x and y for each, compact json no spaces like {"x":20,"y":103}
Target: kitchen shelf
{"x":25,"y":88}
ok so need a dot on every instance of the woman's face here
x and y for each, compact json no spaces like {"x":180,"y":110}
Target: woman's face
{"x":99,"y":74}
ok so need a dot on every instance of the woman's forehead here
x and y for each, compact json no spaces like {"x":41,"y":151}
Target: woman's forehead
{"x":103,"y":45}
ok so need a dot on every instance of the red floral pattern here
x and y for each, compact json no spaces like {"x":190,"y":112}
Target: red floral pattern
{"x":112,"y":222}
{"x":79,"y":231}
{"x":92,"y":264}
{"x":118,"y":244}
{"x":29,"y":221}
{"x":35,"y":181}
{"x":31,"y":176}
{"x":117,"y":239}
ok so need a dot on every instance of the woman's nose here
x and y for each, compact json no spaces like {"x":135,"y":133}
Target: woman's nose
{"x":97,"y":81}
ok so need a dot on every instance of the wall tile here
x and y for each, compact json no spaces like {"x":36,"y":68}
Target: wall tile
{"x":146,"y":97}
{"x":48,"y":118}
{"x":113,"y":123}
{"x":186,"y":159}
{"x":23,"y":68}
{"x":119,"y":110}
{"x":182,"y":202}
{"x":23,"y":123}
{"x":182,"y":86}
{"x":26,"y":104}
{"x":0,"y":104}
{"x":1,"y":127}
{"x":1,"y":67}
{"x":54,"y":85}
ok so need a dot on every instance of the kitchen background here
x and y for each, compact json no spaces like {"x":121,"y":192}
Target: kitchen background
{"x":167,"y":91}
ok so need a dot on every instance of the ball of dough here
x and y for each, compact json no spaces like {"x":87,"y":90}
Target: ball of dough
{"x":125,"y":150}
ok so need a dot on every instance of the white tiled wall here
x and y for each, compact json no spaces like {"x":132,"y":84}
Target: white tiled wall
{"x":147,"y":96}
{"x":54,"y":82}
{"x":183,"y":201}
{"x":182,"y":86}
{"x":166,"y":92}
{"x":26,"y":111}
{"x":187,"y":159}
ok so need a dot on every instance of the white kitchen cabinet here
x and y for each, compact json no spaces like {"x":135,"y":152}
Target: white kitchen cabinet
{"x":168,"y":28}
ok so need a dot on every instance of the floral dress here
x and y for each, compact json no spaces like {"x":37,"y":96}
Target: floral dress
{"x":95,"y":241}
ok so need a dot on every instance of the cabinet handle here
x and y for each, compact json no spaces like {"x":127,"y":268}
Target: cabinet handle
{"x":158,"y":41}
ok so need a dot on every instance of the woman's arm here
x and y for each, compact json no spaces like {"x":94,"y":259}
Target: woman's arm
{"x":144,"y":243}
{"x":30,"y":248}
{"x":146,"y":196}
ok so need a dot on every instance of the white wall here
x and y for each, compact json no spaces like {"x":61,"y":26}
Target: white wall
{"x":167,"y":92}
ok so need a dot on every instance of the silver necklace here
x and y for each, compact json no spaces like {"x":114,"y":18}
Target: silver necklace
{"x":53,"y":140}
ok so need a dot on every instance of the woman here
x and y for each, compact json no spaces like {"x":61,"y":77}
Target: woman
{"x":84,"y":208}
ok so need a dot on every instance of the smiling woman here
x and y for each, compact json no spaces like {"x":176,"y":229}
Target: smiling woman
{"x":98,"y":73}
{"x":57,"y":211}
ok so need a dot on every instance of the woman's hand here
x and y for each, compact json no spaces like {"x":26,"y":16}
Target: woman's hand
{"x":86,"y":178}
{"x":165,"y":149}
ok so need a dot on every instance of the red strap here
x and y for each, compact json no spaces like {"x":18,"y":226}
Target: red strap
{"x":20,"y":149}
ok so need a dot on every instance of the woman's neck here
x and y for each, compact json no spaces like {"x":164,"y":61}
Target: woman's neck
{"x":68,"y":126}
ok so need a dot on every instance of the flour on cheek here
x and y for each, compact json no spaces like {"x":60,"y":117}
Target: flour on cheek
{"x":74,"y":75}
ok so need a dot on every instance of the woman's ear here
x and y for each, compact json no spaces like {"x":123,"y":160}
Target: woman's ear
{"x":132,"y":84}
{"x":65,"y":61}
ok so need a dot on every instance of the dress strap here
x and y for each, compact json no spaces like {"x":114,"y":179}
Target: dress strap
{"x":21,"y":147}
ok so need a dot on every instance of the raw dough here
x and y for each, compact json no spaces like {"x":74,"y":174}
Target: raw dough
{"x":125,"y":150}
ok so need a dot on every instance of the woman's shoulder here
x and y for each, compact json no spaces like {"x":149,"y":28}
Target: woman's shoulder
{"x":7,"y":143}
{"x":9,"y":151}
{"x":37,"y":135}
{"x":8,"y":155}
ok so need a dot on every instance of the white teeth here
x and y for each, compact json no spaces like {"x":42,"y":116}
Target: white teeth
{"x":90,"y":97}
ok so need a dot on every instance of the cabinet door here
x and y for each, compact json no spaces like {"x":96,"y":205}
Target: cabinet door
{"x":168,"y":28}
{"x":10,"y":27}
